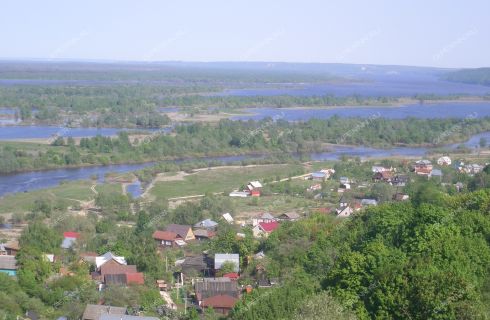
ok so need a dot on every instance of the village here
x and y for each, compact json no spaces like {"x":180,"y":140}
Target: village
{"x":204,"y":278}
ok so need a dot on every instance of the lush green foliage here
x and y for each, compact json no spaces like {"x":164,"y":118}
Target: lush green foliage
{"x":230,"y":137}
{"x":417,"y":260}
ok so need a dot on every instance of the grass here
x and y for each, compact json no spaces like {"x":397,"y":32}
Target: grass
{"x":219,"y":180}
{"x":109,"y":188}
{"x":67,"y":193}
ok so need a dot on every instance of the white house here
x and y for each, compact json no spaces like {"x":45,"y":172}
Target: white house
{"x":344,"y":211}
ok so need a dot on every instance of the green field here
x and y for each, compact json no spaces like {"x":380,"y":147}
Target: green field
{"x":219,"y":180}
{"x":67,"y":193}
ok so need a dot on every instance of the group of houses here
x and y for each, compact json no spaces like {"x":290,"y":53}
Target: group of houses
{"x":389,"y":175}
{"x":177,"y":235}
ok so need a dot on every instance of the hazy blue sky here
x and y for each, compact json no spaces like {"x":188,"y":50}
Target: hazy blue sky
{"x":417,"y":32}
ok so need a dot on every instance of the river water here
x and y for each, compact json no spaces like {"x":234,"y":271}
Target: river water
{"x":27,"y":181}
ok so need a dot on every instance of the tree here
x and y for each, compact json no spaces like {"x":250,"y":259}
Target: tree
{"x":483,"y":142}
{"x":382,"y":192}
{"x":322,"y":306}
{"x":227,"y":267}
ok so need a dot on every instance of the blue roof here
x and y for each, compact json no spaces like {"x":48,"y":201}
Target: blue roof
{"x":318,"y":174}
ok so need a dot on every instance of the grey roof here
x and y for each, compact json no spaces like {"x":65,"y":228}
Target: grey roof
{"x":208,"y":223}
{"x":8,"y":263}
{"x":125,"y":317}
{"x":201,"y":233}
{"x":266,"y":216}
{"x":369,"y":202}
{"x":95,"y":312}
{"x":68,"y":243}
{"x":221,"y":258}
{"x":290,"y":215}
{"x":436,"y":172}
{"x":215,"y":286}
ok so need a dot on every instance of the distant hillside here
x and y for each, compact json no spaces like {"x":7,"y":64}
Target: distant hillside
{"x":473,"y":76}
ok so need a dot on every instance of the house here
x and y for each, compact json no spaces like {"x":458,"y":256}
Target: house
{"x":471,"y":168}
{"x":344,"y":180}
{"x":124,"y":279}
{"x":444,"y":161}
{"x":319,"y":176}
{"x":383,"y":176}
{"x":264,"y":228}
{"x":289,"y":216}
{"x":8,"y":265}
{"x":435,"y":173}
{"x":69,"y":239}
{"x":200,"y":264}
{"x":369,"y":202}
{"x":211,"y":287}
{"x":109,"y":256}
{"x":254,"y":188}
{"x":204,"y":234}
{"x":12,"y":248}
{"x":221,"y":304}
{"x":168,"y":239}
{"x":112,"y":269}
{"x":263,"y":217}
{"x":400,"y":197}
{"x":423,"y":167}
{"x":95,"y":312}
{"x":344,"y":211}
{"x":228,"y":218}
{"x":206,"y":224}
{"x":221,"y":258}
{"x":376,"y":169}
{"x":88,"y":257}
{"x":183,"y":231}
{"x":400,"y":180}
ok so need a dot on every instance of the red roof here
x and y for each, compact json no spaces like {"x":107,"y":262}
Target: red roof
{"x":231,"y":275}
{"x":164,"y":235}
{"x":135,"y":278}
{"x":269,"y":226}
{"x":71,"y":234}
{"x":220,"y":301}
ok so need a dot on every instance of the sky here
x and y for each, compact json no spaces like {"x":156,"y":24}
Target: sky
{"x":418,"y":32}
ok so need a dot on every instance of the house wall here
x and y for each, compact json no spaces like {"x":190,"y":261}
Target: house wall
{"x":190,"y":235}
{"x":9,"y":272}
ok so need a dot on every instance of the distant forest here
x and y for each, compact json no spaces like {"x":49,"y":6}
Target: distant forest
{"x":473,"y":76}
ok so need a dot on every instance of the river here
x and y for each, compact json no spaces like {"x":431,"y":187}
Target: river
{"x":27,"y":181}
